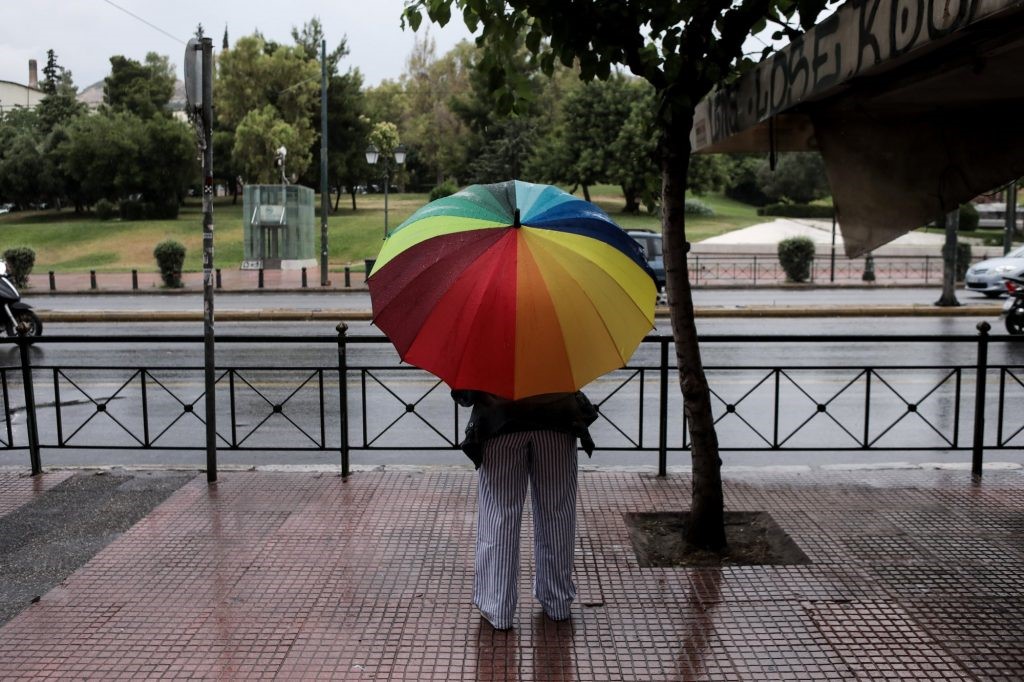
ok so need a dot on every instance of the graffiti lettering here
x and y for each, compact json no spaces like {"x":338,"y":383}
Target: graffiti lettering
{"x":904,"y":25}
{"x":799,"y":70}
{"x":826,"y":30}
{"x":945,"y":24}
{"x":859,"y":36}
{"x":724,"y":114}
{"x":868,"y":10}
{"x":779,"y":87}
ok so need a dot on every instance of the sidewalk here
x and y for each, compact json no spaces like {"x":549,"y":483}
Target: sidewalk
{"x":915,"y":575}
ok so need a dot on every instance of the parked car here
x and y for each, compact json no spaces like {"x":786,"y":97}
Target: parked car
{"x":650,"y":242}
{"x":986,"y":277}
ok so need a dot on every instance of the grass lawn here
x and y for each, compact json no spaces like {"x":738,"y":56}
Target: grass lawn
{"x":66,"y":242}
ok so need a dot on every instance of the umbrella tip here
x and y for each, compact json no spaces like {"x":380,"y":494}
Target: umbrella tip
{"x":517,"y":223}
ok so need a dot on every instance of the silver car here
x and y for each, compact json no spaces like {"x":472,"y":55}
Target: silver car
{"x":986,"y":277}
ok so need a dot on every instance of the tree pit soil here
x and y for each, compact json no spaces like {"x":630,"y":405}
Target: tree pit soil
{"x":753,"y":539}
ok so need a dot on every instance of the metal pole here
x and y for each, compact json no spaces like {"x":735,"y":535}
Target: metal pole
{"x":832,"y":264}
{"x":208,"y":317}
{"x":30,"y":408}
{"x":978,"y":450}
{"x":387,"y":181}
{"x":343,"y":395}
{"x":663,"y":412}
{"x":1011,"y":217}
{"x":325,"y":199}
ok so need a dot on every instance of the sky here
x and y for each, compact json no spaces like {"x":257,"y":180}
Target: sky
{"x":86,"y":33}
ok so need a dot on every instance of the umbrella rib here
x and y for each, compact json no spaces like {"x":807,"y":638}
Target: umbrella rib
{"x":614,"y":281}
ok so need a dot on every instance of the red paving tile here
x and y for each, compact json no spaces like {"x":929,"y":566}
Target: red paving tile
{"x":915,"y":575}
{"x":17,"y":488}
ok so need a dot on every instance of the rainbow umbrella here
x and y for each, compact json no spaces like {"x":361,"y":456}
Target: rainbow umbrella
{"x":514,"y":289}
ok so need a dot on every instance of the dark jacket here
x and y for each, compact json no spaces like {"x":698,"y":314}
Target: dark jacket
{"x":568,"y":413}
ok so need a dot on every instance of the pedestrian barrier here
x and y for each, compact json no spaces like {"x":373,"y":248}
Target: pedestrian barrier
{"x":705,"y":270}
{"x":363,"y":399}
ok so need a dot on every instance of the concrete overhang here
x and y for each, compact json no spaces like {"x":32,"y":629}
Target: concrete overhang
{"x":915,"y":105}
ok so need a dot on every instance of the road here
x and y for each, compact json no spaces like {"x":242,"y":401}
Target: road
{"x":360,"y":300}
{"x":259,"y":387}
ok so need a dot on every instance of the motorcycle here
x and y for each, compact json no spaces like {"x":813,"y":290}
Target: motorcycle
{"x":1013,"y":308}
{"x":18,"y":317}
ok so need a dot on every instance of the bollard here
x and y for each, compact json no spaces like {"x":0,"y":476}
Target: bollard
{"x":53,"y":281}
{"x":663,"y":412}
{"x":218,"y":278}
{"x":31,"y":426}
{"x":305,"y":284}
{"x":92,"y":279}
{"x":259,"y":283}
{"x":342,"y":330}
{"x":348,"y":277}
{"x":978,"y":444}
{"x":135,"y":280}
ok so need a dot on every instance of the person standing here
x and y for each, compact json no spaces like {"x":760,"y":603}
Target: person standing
{"x":515,"y":445}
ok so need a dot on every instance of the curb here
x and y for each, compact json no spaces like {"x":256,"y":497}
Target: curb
{"x":285,"y":315}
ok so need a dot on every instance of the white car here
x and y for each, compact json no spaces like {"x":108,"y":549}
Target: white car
{"x":986,"y":277}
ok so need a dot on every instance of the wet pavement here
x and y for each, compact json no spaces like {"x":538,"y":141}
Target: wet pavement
{"x":916,"y":574}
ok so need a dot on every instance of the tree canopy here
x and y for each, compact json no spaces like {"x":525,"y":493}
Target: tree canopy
{"x":143,"y":89}
{"x":682,"y":49}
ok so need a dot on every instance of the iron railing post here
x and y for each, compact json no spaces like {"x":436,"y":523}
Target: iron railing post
{"x":663,"y":412}
{"x":979,"y":401}
{"x":30,"y":407}
{"x":343,"y":395}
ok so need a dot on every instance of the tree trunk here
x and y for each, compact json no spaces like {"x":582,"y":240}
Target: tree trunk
{"x":586,"y":192}
{"x":632,"y":205}
{"x":707,"y":512}
{"x":337,"y":200}
{"x":352,"y":193}
{"x":948,"y":297}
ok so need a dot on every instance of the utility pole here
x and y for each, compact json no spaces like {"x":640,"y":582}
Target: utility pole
{"x":199,"y":96}
{"x":325,"y":199}
{"x":208,"y":319}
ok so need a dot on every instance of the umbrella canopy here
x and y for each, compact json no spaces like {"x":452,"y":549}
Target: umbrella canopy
{"x":515,"y":289}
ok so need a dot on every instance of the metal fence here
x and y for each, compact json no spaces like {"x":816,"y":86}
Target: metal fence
{"x":713,"y":268}
{"x":361,"y":403}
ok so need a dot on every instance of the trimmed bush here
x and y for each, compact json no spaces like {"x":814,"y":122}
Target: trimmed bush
{"x":698,"y":208}
{"x":968,"y":218}
{"x":20,"y":261}
{"x":795,"y":256}
{"x":445,"y":189}
{"x":170,"y":257}
{"x":796,"y":211}
{"x":105,"y":209}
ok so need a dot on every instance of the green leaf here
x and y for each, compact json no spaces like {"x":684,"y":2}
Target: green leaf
{"x":442,"y":11}
{"x":413,"y":17}
{"x":533,"y":39}
{"x":471,"y":18}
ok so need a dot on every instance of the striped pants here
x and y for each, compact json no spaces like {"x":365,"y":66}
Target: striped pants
{"x":546,"y":460}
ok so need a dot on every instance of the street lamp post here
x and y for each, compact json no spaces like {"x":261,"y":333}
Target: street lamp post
{"x":373,"y":156}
